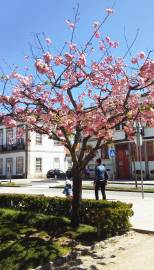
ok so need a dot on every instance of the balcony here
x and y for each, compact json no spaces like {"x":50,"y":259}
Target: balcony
{"x":12,"y":147}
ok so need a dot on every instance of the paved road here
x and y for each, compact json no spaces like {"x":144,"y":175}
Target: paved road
{"x":143,"y":209}
{"x":44,"y":188}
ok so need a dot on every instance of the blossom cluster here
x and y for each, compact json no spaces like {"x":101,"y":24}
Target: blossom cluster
{"x":74,"y":89}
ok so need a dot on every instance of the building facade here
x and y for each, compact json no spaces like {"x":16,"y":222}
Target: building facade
{"x":128,"y":161}
{"x":127,"y":164}
{"x":30,"y":156}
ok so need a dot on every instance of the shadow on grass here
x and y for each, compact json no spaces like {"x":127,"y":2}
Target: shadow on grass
{"x":30,"y":239}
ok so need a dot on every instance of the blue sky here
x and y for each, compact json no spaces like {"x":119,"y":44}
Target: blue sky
{"x":20,"y":19}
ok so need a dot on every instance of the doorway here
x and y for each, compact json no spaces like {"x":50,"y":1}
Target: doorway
{"x":122,"y":161}
{"x":9,"y":167}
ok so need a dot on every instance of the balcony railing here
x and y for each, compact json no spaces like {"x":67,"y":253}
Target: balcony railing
{"x":12,"y":147}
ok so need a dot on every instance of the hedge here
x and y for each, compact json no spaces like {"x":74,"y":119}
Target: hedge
{"x":110,"y":217}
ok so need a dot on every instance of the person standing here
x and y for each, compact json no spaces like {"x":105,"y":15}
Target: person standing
{"x":68,"y":188}
{"x":100,"y":179}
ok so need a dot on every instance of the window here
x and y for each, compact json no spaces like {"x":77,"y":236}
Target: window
{"x":57,"y":143}
{"x":1,"y":136}
{"x":20,"y":134}
{"x":19,"y":165}
{"x":38,"y":138}
{"x":38,"y":164}
{"x":9,"y":167}
{"x":1,"y":166}
{"x":120,"y":126}
{"x":9,"y":136}
{"x":150,"y":150}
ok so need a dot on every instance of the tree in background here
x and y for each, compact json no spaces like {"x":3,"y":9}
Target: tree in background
{"x":79,"y":93}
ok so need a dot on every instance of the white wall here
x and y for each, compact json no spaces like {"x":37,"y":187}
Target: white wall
{"x":148,"y":132}
{"x":119,"y":135}
{"x":47,"y":151}
{"x":47,"y":162}
{"x":137,"y":167}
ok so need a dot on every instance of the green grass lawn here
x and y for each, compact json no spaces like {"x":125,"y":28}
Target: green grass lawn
{"x":29,"y":239}
{"x":9,"y":184}
{"x":111,"y":188}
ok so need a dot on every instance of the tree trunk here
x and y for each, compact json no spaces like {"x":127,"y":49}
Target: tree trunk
{"x":77,"y":185}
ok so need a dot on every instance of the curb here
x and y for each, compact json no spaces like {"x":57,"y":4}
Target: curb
{"x":143,"y":231}
{"x":130,"y":184}
{"x":84,"y":188}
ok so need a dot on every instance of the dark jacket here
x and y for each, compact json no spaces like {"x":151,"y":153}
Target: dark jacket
{"x":100,"y":173}
{"x":106,"y":175}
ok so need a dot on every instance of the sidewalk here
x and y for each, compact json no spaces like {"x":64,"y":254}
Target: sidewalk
{"x":143,"y":218}
{"x":146,"y":182}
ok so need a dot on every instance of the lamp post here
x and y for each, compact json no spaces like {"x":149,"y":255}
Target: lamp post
{"x":139,"y":144}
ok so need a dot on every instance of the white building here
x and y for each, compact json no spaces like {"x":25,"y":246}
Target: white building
{"x":19,"y":159}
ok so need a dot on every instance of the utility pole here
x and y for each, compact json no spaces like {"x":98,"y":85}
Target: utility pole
{"x":139,"y":144}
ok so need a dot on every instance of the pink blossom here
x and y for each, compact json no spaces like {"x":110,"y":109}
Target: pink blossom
{"x":109,"y":10}
{"x":20,"y":110}
{"x":101,"y":46}
{"x":65,"y":86}
{"x":111,"y":44}
{"x":51,"y":73}
{"x":115,"y":44}
{"x":9,"y":121}
{"x":109,"y":59}
{"x":97,"y":35}
{"x":45,"y":117}
{"x":20,"y":133}
{"x":47,"y":57}
{"x":71,"y":25}
{"x":59,"y":133}
{"x":134,"y":60}
{"x":147,"y":70}
{"x":72,"y":46}
{"x":107,"y":39}
{"x":31,"y":120}
{"x":41,"y":66}
{"x":4,"y":99}
{"x":82,"y":59}
{"x":48,"y":41}
{"x":69,"y":57}
{"x":58,"y":60}
{"x":80,"y":75}
{"x":141,"y":55}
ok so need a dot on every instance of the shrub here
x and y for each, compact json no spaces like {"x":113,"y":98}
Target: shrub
{"x":110,"y":217}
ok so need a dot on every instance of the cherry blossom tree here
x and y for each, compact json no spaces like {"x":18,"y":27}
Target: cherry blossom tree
{"x":80,"y":93}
